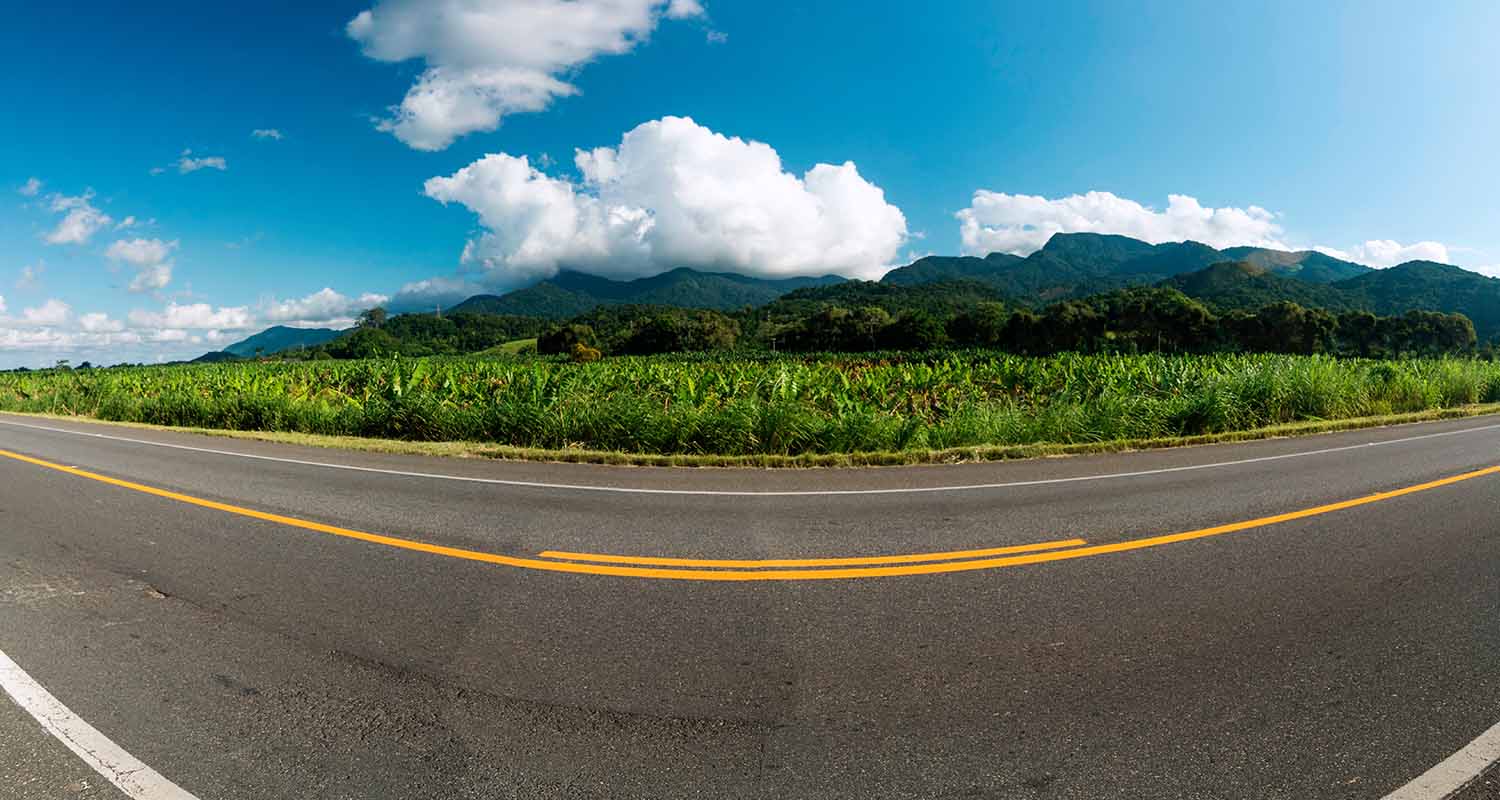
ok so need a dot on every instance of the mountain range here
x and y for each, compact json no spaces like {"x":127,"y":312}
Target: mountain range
{"x":1068,"y":266}
{"x":570,"y":293}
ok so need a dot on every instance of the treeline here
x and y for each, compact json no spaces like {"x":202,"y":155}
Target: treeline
{"x":867,"y":317}
{"x":1127,"y":321}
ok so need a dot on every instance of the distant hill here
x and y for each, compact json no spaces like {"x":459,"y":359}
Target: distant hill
{"x":279,"y":338}
{"x":1304,"y":265}
{"x":1429,"y":286}
{"x":1247,"y":286}
{"x":569,"y":294}
{"x":1413,"y":286}
{"x":934,"y":298}
{"x":936,"y":269}
{"x":1081,"y":264}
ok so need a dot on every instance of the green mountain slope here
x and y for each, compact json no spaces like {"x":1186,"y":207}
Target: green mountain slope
{"x":1247,"y":286}
{"x":279,"y":338}
{"x":1429,"y":286}
{"x":569,"y":293}
{"x":1305,"y":265}
{"x":936,"y":269}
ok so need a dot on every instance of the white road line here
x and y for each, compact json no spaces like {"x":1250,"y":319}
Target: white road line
{"x":120,"y":768}
{"x":789,"y":493}
{"x":1455,"y":772}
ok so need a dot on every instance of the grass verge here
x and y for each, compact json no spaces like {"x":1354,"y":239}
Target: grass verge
{"x":957,"y":455}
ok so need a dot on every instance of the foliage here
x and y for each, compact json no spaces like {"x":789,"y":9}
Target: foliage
{"x":762,"y":404}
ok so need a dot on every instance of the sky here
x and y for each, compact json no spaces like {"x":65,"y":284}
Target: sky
{"x":177,"y":176}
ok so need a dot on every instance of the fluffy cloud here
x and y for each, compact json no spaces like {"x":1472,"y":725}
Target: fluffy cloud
{"x":323,"y":306}
{"x":81,"y":220}
{"x":151,"y":259}
{"x":1021,"y":224}
{"x":267,"y":133}
{"x":30,"y":188}
{"x":100,"y":323}
{"x":1386,"y":253}
{"x":195,"y":316}
{"x":51,"y":313}
{"x":486,"y":59}
{"x":674,"y":193}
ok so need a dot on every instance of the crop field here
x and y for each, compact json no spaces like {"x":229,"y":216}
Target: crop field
{"x":727,"y":405}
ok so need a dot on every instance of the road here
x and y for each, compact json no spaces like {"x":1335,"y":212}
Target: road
{"x":255,"y":620}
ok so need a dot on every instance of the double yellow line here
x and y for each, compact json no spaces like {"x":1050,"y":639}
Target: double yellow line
{"x":662,"y":568}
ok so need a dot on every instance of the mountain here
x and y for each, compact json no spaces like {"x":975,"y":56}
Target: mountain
{"x":1245,"y":285}
{"x":1079,"y":264}
{"x":1429,"y":286}
{"x":571,"y":293}
{"x":1304,"y":265}
{"x":937,"y":269}
{"x":279,"y":338}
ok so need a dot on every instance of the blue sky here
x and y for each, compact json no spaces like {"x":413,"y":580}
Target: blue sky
{"x":1364,"y":127}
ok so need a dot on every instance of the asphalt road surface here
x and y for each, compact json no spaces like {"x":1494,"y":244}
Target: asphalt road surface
{"x":1305,"y":618}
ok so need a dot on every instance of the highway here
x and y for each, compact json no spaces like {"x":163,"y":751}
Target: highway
{"x":1300,"y":618}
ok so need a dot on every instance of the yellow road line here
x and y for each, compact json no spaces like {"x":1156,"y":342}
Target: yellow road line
{"x":754,"y":575}
{"x":731,"y":563}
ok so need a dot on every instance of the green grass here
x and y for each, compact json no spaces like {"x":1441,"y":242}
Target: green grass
{"x":512,"y":348}
{"x":768,"y":410}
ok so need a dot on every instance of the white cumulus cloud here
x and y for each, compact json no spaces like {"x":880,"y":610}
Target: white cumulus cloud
{"x":99,"y":323}
{"x":267,"y":133}
{"x":51,"y":313}
{"x":674,"y":193}
{"x":31,"y":187}
{"x":996,"y":222}
{"x":486,"y":59}
{"x":152,"y":259}
{"x":324,"y":306}
{"x":194,"y":316}
{"x":81,"y":220}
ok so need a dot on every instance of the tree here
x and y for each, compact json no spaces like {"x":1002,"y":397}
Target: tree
{"x":981,"y":326}
{"x":562,"y":338}
{"x":914,"y":330}
{"x":372,"y":318}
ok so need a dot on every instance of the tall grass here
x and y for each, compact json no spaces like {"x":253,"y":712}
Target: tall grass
{"x":753,"y":406}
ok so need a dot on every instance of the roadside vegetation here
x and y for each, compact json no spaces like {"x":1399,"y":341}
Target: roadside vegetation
{"x":763,"y":404}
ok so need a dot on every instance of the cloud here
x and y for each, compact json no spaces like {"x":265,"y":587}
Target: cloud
{"x":100,"y":323}
{"x":1382,"y":253}
{"x":51,"y":313}
{"x":128,"y":222}
{"x":81,"y":220}
{"x":30,"y":188}
{"x":195,"y":316}
{"x":152,"y":259}
{"x":189,"y":163}
{"x":487,"y":59}
{"x":425,"y":295}
{"x":2,"y":304}
{"x":267,"y":133}
{"x":1021,"y":224}
{"x":323,"y":306}
{"x":674,"y":193}
{"x":31,"y":275}
{"x":716,"y":37}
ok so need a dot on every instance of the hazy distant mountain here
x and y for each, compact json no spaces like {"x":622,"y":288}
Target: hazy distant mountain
{"x":571,"y":293}
{"x":1305,"y":265}
{"x":279,"y":338}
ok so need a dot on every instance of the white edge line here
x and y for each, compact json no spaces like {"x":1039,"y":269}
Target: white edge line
{"x":1455,"y":772}
{"x":120,"y":768}
{"x":789,"y":493}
